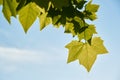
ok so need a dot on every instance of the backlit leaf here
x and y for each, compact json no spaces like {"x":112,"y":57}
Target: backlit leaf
{"x":27,"y":15}
{"x":74,"y":50}
{"x":9,"y":8}
{"x":85,"y":53}
{"x":97,"y":45}
{"x":91,"y":7}
{"x":44,"y":20}
{"x":56,"y":19}
{"x":87,"y":33}
{"x":69,"y":28}
{"x":71,"y":14}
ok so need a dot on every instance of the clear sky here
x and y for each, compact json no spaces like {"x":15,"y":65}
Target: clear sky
{"x":41,"y":55}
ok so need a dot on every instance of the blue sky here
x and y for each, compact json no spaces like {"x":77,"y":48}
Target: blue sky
{"x":41,"y":55}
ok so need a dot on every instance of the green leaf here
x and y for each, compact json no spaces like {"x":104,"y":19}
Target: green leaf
{"x":87,"y":33}
{"x":27,"y":15}
{"x":87,"y":56}
{"x":79,"y":3}
{"x":74,"y":48}
{"x":9,"y":8}
{"x":44,"y":20}
{"x":71,"y":14}
{"x":91,"y":7}
{"x":21,"y":4}
{"x":60,"y":3}
{"x":85,"y":53}
{"x":97,"y":45}
{"x":42,"y":4}
{"x":69,"y":28}
{"x":56,"y":19}
{"x":80,"y":21}
{"x":1,"y":2}
{"x":92,"y":16}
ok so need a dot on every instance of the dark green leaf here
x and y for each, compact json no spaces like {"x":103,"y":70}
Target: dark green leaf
{"x":64,"y":3}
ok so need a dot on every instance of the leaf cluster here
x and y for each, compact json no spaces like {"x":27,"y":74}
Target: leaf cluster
{"x":71,"y":14}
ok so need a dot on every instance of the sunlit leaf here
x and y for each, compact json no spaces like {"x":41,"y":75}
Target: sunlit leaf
{"x":87,"y":33}
{"x":69,"y":28}
{"x":85,"y":53}
{"x":74,"y":50}
{"x":91,"y":7}
{"x":27,"y":15}
{"x":87,"y":56}
{"x":97,"y":45}
{"x":9,"y":9}
{"x":44,"y":20}
{"x":55,"y":19}
{"x":71,"y":14}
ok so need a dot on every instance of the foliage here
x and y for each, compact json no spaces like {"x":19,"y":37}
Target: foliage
{"x":71,"y":14}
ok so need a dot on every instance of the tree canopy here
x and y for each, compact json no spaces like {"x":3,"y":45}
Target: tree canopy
{"x":72,"y":15}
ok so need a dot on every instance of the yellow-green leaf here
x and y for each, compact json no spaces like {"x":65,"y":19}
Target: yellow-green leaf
{"x":88,"y":33}
{"x":93,"y":16}
{"x":27,"y":15}
{"x":91,"y":7}
{"x":1,"y":2}
{"x":9,"y":8}
{"x":74,"y":50}
{"x":44,"y":20}
{"x":69,"y":28}
{"x":97,"y":45}
{"x":87,"y":56}
{"x":85,"y":53}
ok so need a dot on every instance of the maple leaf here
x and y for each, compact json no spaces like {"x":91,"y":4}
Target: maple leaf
{"x":27,"y":15}
{"x":97,"y":45}
{"x":91,"y":7}
{"x":85,"y":53}
{"x":74,"y":49}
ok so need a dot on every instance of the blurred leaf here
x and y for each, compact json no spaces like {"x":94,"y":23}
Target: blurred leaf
{"x":1,"y":2}
{"x":69,"y":28}
{"x":91,"y":7}
{"x":74,"y":48}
